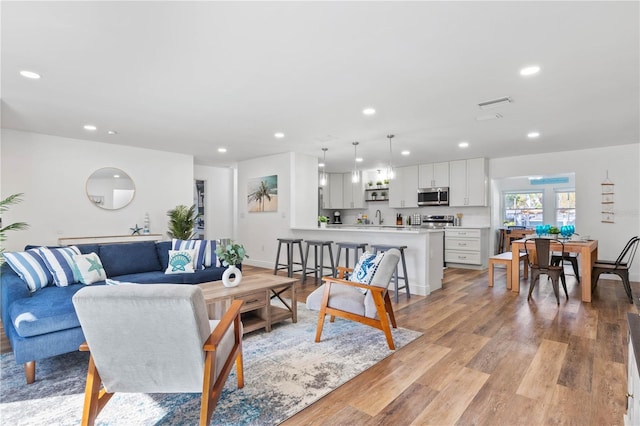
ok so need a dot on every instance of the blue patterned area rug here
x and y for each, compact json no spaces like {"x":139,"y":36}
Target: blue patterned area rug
{"x":285,"y":371}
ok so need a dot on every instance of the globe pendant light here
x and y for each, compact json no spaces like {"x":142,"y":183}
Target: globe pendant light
{"x":323,"y":174}
{"x":355,"y":175}
{"x":390,"y":174}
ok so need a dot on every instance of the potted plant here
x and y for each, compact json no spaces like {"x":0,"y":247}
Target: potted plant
{"x":383,"y":194}
{"x":231,"y":255}
{"x":379,"y":183}
{"x":17,"y":226}
{"x":386,"y":181}
{"x":374,"y":195}
{"x":370,"y":183}
{"x":182,"y":220}
{"x":323,"y":221}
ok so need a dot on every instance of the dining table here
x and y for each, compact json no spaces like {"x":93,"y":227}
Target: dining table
{"x":587,"y":249}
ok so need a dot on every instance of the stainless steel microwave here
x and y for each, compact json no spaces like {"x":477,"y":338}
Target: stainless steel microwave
{"x":433,"y":196}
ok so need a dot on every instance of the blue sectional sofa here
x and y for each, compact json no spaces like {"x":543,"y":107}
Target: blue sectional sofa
{"x":43,"y":324}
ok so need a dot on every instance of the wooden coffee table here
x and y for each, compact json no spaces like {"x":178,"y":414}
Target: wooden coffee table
{"x":257,"y":292}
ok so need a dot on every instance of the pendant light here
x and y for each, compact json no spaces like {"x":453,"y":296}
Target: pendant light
{"x":323,"y":174}
{"x":355,"y":175}
{"x":390,"y":174}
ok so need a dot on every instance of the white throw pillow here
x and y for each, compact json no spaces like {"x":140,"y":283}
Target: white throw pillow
{"x":88,"y":268}
{"x":180,"y":262}
{"x":365,"y":268}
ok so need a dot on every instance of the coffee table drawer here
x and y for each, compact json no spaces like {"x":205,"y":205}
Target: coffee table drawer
{"x":253,"y":301}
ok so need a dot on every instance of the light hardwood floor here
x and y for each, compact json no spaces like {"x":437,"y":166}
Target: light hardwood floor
{"x":490,"y":357}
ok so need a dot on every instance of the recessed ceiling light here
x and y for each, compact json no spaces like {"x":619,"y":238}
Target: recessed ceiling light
{"x":222,"y":150}
{"x":90,"y":127}
{"x":534,"y":69}
{"x":112,"y":132}
{"x":463,"y":144}
{"x":359,"y":160}
{"x":116,"y":176}
{"x":30,"y":74}
{"x":320,"y":164}
{"x":533,"y":134}
{"x":488,"y":117}
{"x":405,"y":152}
{"x":368,"y":111}
{"x":279,"y":135}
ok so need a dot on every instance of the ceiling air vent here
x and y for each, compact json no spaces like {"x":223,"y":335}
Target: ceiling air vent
{"x":494,"y":103}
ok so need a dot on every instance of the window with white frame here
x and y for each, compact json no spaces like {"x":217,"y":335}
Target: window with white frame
{"x":522,"y":208}
{"x":565,"y":207}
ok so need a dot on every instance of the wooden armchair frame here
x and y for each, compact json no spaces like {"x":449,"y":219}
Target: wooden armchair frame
{"x":380,"y":297}
{"x":96,"y":397}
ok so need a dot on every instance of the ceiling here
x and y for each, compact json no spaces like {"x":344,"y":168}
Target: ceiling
{"x":191,"y":77}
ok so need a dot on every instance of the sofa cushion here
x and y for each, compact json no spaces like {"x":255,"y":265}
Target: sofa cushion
{"x":30,"y":266}
{"x":59,"y":261}
{"x":180,"y":262}
{"x":155,"y":277}
{"x":203,"y":276}
{"x":47,"y":310}
{"x":162,"y":248}
{"x":88,"y":268}
{"x":199,"y":246}
{"x":88,"y":248}
{"x":129,"y":258}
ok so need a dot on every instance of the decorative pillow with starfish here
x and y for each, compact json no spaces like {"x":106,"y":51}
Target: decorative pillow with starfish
{"x":88,"y":269}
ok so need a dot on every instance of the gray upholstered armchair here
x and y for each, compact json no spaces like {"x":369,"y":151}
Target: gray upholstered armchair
{"x":346,"y":299}
{"x":156,"y":339}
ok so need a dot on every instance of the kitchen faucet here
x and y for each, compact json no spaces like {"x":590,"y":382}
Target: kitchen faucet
{"x":379,"y":216}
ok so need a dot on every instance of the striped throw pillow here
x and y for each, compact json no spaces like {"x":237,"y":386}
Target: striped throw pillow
{"x":199,"y":246}
{"x":30,"y":266}
{"x":59,"y":261}
{"x":210,"y":258}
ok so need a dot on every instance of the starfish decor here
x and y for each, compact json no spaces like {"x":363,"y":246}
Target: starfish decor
{"x":135,"y":230}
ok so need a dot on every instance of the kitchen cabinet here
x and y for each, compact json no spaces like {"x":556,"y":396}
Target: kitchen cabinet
{"x":466,"y":247}
{"x":334,"y":185}
{"x":433,"y":175}
{"x":468,"y":182}
{"x":403,"y":188}
{"x":352,"y":192}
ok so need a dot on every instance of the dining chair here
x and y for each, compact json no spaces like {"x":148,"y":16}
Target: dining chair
{"x":569,"y":257}
{"x":619,"y":267}
{"x":539,"y":255}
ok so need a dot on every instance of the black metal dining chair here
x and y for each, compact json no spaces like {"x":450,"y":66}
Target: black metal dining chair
{"x":619,"y":267}
{"x":540,"y":264}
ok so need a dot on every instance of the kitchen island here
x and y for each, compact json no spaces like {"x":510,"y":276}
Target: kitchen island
{"x":424,"y":253}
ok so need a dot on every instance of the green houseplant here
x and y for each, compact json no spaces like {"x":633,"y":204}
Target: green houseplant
{"x":17,"y":226}
{"x":182,"y":221}
{"x":231,"y":255}
{"x":323,"y":221}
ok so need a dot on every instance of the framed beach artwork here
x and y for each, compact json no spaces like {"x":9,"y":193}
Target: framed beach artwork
{"x":262,"y":194}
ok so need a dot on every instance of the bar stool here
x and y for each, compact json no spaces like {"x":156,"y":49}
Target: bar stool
{"x":349,"y":246}
{"x":385,"y":247}
{"x":318,"y":268}
{"x":290,"y":242}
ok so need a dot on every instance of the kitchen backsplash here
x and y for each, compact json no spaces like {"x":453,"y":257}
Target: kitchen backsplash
{"x":471,"y":216}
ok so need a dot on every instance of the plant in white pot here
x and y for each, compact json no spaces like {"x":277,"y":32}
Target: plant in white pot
{"x":323,"y":221}
{"x":231,"y":255}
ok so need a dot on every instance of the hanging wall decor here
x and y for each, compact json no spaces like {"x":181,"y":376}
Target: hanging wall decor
{"x":607,"y":200}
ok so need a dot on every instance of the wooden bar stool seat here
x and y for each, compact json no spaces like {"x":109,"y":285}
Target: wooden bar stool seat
{"x":290,"y":243}
{"x":396,"y":277}
{"x":318,"y":266}
{"x":505,"y":259}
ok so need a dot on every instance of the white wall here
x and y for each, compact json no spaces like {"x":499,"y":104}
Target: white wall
{"x":590,"y":167}
{"x":52,"y":172}
{"x":297,"y":203}
{"x":219,"y":199}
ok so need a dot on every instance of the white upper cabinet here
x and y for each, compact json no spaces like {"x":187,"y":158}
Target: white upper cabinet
{"x":335,"y":192}
{"x":433,"y":175}
{"x":352,"y":192}
{"x":468,"y":182}
{"x":403,"y":188}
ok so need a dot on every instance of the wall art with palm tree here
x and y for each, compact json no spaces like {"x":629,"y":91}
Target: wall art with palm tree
{"x":262,"y":194}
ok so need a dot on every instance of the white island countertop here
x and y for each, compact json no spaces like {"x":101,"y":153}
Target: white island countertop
{"x":374,"y":228}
